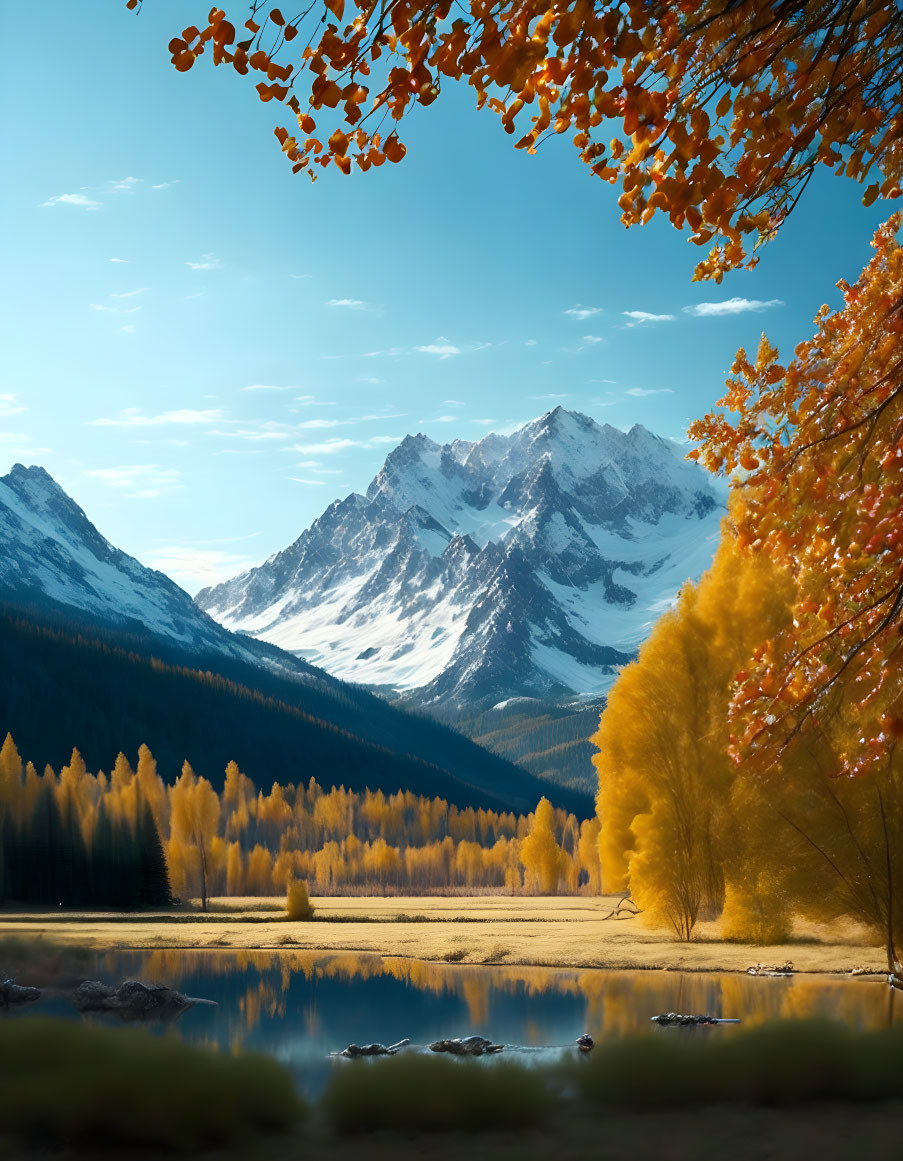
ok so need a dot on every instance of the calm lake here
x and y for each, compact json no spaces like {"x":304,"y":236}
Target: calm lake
{"x":300,"y":1006}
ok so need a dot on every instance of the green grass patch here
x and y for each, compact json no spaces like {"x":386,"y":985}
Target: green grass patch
{"x":787,"y":1063}
{"x":66,"y":1084}
{"x":433,"y":1094}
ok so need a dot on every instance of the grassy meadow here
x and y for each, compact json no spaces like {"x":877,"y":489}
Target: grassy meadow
{"x":527,"y":930}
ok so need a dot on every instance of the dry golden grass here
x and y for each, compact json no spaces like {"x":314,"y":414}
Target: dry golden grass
{"x":565,"y":932}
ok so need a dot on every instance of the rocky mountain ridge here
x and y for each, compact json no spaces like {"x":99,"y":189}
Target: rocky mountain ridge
{"x":522,"y":565}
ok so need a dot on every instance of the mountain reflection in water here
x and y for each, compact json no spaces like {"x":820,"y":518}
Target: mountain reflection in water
{"x":300,"y":1006}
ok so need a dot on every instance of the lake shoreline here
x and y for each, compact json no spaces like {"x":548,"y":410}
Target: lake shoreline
{"x":569,"y":933}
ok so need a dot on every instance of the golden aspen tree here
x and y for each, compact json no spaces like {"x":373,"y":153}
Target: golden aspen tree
{"x":665,"y":778}
{"x":151,"y":788}
{"x":11,"y":782}
{"x":235,"y":871}
{"x":259,"y":871}
{"x":297,"y":902}
{"x":194,"y":818}
{"x":540,"y":854}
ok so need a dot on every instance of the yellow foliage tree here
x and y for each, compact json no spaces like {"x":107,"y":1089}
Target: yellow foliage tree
{"x":665,"y":777}
{"x":297,"y":901}
{"x":540,"y":854}
{"x":194,"y":818}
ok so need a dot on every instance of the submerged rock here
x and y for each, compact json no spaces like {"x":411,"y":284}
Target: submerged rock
{"x":469,"y":1046}
{"x":677,"y":1018}
{"x":771,"y":969}
{"x":355,"y":1050}
{"x":13,"y":994}
{"x":585,"y":1042}
{"x":133,"y":1000}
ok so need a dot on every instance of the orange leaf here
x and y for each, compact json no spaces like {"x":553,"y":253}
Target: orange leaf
{"x":277,"y":17}
{"x":394,"y":149}
{"x":338,"y":142}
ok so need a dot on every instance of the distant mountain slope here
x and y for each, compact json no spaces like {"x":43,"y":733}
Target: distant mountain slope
{"x":548,"y":737}
{"x":525,"y":565}
{"x":83,"y":621}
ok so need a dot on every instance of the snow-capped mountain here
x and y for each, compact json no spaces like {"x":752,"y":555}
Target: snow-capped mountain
{"x":54,"y":555}
{"x":91,"y":680}
{"x":528,"y":564}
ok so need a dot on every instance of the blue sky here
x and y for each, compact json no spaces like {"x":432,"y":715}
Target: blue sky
{"x":206,"y":350}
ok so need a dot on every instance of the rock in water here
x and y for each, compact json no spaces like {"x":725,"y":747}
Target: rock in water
{"x":13,"y":994}
{"x":133,"y":1000}
{"x":355,"y":1050}
{"x":469,"y":1046}
{"x":585,"y":1042}
{"x":677,"y":1018}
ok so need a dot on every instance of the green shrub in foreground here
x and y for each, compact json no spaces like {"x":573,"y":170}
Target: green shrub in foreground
{"x":784,"y":1063}
{"x":63,"y":1082}
{"x":434,"y":1094}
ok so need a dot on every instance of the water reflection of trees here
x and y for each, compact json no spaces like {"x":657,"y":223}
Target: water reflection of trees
{"x":616,"y":1002}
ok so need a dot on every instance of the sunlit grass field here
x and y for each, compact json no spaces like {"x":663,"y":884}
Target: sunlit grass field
{"x":551,"y":931}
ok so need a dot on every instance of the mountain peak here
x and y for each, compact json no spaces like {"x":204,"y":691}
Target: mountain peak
{"x":587,"y":531}
{"x":34,"y":475}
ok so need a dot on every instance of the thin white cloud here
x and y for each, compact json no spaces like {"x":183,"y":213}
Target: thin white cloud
{"x":553,"y":395}
{"x":642,"y":392}
{"x":128,"y":329}
{"x":313,"y":466}
{"x":114,"y":309}
{"x":313,"y":424}
{"x":312,"y":483}
{"x":369,"y":379}
{"x":730,"y":306}
{"x":583,"y":312}
{"x":441,"y":419}
{"x":166,"y":184}
{"x":131,"y":293}
{"x":253,"y":434}
{"x":452,"y":402}
{"x":9,"y":405}
{"x":74,"y":199}
{"x":329,"y":447}
{"x":131,"y":417}
{"x":268,"y":387}
{"x":352,"y":304}
{"x":592,"y":339}
{"x":300,"y":276}
{"x":378,"y":440}
{"x":642,"y":317}
{"x":530,"y":342}
{"x":124,"y":261}
{"x":484,"y":422}
{"x":125,"y":185}
{"x":205,"y":262}
{"x":442,"y":349}
{"x":194,"y":568}
{"x":139,"y":481}
{"x":16,"y":445}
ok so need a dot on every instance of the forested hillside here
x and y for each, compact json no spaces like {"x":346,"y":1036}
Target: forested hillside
{"x":65,"y":683}
{"x":99,"y":838}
